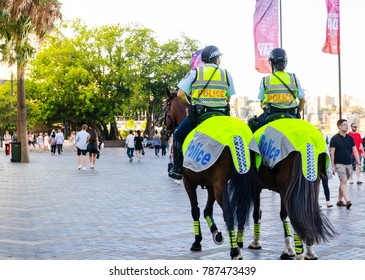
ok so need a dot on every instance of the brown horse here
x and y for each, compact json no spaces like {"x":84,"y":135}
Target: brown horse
{"x":299,"y":202}
{"x":234,"y":192}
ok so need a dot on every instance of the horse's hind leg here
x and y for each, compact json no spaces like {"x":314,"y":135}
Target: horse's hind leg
{"x":228,"y":216}
{"x":208,"y":215}
{"x":256,"y":243}
{"x":299,"y":249}
{"x":195,"y":213}
{"x":288,"y":253}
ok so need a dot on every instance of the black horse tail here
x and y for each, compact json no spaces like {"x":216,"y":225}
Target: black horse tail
{"x":241,"y":193}
{"x":301,"y":202}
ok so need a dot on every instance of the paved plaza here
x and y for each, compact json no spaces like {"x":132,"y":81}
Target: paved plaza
{"x":133,"y":211}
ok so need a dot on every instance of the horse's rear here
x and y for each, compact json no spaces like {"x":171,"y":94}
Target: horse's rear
{"x":232,"y":189}
{"x":296,"y":178}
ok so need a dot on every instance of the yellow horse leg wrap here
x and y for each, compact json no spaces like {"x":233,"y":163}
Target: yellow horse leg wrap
{"x":298,"y":245}
{"x":232,"y":239}
{"x":257,"y":231}
{"x":287,"y":230}
{"x":197,"y":228}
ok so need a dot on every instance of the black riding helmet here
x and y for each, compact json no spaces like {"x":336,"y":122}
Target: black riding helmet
{"x":278,"y":58}
{"x":210,"y":53}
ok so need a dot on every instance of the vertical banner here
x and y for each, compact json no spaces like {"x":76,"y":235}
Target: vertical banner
{"x":266,"y":31}
{"x":332,"y":44}
{"x":196,"y":59}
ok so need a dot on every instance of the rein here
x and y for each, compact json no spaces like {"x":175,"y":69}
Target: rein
{"x":169,"y":130}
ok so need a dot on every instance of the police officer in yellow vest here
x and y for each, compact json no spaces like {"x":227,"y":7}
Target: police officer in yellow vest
{"x":210,"y":89}
{"x":280,"y":91}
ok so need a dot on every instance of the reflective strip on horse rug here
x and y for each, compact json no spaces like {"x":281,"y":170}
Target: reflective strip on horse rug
{"x":279,"y":138}
{"x":203,"y":146}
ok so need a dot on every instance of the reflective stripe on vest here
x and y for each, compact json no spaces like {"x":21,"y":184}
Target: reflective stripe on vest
{"x":277,"y":94}
{"x":215,"y":94}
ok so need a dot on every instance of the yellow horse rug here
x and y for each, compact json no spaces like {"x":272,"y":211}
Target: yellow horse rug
{"x":279,"y":138}
{"x":203,"y":146}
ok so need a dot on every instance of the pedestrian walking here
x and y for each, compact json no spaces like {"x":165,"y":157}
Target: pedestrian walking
{"x":59,"y":140}
{"x":53,"y":142}
{"x":138,"y":145}
{"x":360,"y":149}
{"x":81,"y":145}
{"x":93,"y":148}
{"x":342,"y":146}
{"x":7,"y":140}
{"x":129,"y":143}
{"x":157,"y":143}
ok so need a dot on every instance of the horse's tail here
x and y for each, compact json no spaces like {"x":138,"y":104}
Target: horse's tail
{"x":301,"y":201}
{"x":241,"y":191}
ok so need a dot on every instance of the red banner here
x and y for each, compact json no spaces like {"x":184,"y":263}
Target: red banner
{"x":266,"y":32}
{"x":332,"y":44}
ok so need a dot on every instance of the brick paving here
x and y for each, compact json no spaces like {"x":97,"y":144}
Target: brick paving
{"x":133,"y":211}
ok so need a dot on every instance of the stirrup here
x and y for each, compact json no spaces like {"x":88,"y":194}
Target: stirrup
{"x":175,"y":175}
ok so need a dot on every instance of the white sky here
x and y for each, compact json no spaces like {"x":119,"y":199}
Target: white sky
{"x":229,"y":25}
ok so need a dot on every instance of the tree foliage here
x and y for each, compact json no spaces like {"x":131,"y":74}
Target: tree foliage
{"x":106,"y":72}
{"x":21,"y":22}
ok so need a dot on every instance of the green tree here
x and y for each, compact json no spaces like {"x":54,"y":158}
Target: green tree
{"x":105,"y":72}
{"x":22,"y":21}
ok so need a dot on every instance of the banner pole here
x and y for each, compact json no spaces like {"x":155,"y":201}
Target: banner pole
{"x":280,"y":24}
{"x":339,"y":86}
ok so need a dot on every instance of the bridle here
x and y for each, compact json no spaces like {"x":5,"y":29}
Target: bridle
{"x":168,"y":131}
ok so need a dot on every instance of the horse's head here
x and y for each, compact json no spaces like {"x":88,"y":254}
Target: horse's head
{"x":175,"y":112}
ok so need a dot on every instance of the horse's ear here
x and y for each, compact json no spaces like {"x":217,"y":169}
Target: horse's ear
{"x":168,"y":92}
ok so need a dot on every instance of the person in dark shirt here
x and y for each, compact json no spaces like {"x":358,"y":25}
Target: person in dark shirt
{"x":342,"y":146}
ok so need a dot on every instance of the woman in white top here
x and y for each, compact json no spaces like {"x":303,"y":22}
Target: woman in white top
{"x":40,"y":142}
{"x":7,"y":139}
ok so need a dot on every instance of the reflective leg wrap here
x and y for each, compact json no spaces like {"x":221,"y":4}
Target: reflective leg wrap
{"x":298,"y":245}
{"x":257,"y":231}
{"x":240,"y":236}
{"x":197,"y":230}
{"x":232,"y":239}
{"x":287,"y":229}
{"x":211,"y":224}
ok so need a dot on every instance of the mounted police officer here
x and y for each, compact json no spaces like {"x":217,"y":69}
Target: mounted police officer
{"x":280,"y":91}
{"x":210,"y":89}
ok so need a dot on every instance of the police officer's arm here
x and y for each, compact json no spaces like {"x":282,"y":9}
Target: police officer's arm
{"x":332,"y":155}
{"x":182,"y":96}
{"x":301,"y":104}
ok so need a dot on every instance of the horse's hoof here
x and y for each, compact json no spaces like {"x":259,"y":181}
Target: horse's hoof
{"x":218,"y":237}
{"x":285,"y":256}
{"x":313,"y":257}
{"x":240,"y":245}
{"x":236,"y":254}
{"x":196,"y":247}
{"x":255,"y":245}
{"x":299,"y":257}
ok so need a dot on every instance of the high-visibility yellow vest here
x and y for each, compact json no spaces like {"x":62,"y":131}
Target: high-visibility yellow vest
{"x":277,"y":94}
{"x":215,"y":93}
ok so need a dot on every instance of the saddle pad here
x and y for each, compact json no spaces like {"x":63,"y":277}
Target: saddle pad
{"x":203,"y":146}
{"x":279,"y":138}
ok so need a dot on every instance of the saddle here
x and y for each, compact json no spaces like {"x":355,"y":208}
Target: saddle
{"x":200,"y":113}
{"x":253,"y":122}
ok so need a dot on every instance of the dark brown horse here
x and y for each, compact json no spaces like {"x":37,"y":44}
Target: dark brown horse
{"x":299,"y":202}
{"x":233,"y":192}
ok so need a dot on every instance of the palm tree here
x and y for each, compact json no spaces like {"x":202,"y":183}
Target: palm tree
{"x":21,"y":23}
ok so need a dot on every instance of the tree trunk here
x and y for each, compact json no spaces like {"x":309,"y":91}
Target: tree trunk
{"x":22,"y":132}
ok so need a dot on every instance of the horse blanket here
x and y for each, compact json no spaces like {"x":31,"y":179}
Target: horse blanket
{"x":279,"y":138}
{"x":203,"y":146}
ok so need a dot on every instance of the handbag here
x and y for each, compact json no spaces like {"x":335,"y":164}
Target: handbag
{"x":143,"y":152}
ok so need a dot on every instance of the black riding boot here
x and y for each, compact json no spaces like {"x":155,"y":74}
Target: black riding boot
{"x":176,"y":171}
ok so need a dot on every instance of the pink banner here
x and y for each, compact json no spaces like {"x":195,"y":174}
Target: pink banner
{"x":332,"y":44}
{"x":266,"y":32}
{"x":196,"y":59}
